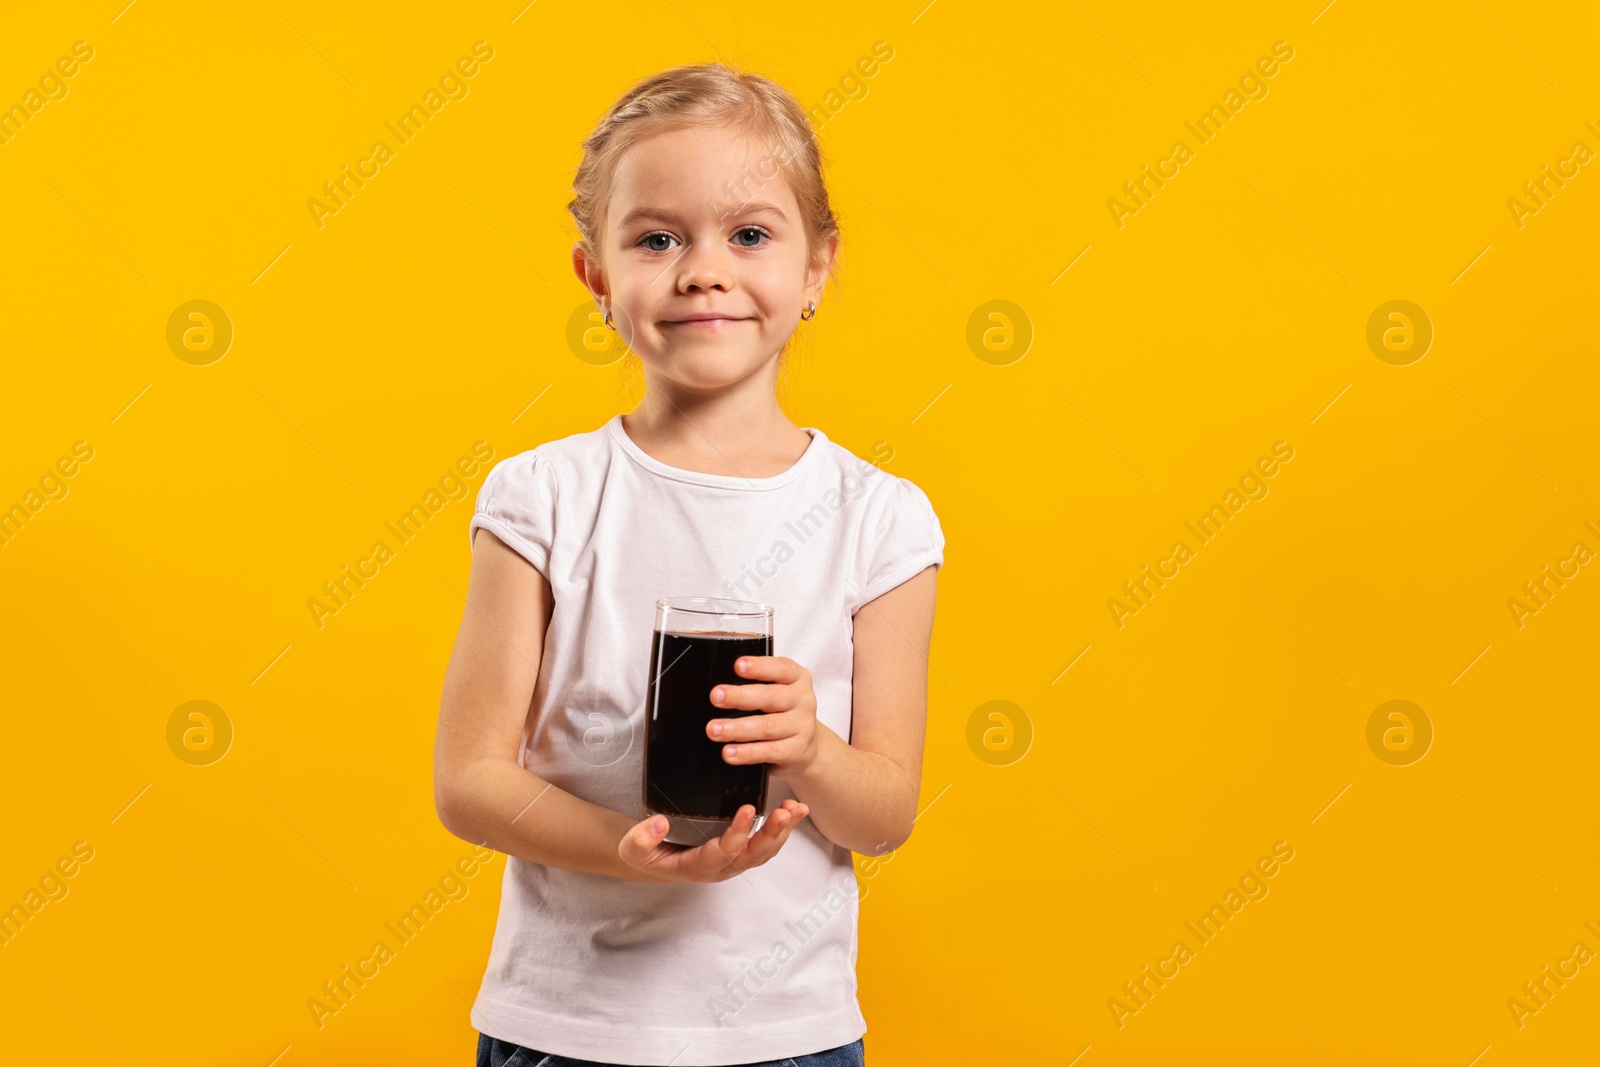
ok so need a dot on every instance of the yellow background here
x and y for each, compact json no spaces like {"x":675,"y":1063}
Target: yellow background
{"x":1228,"y":314}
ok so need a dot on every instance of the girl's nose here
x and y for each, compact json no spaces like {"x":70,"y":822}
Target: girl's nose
{"x":702,"y":268}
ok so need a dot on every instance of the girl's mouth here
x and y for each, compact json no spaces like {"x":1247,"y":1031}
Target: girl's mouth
{"x":705,"y":324}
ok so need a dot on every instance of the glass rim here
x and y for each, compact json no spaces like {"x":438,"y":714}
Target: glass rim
{"x":701,"y":605}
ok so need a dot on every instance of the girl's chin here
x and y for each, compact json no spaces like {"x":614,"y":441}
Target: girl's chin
{"x":702,"y":371}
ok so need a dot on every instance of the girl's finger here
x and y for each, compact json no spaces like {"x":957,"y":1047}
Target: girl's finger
{"x":734,"y":840}
{"x":641,"y":840}
{"x":757,"y":696}
{"x":768,"y":668}
{"x":749,"y":727}
{"x":756,"y":752}
{"x":765,"y":843}
{"x":775,"y":831}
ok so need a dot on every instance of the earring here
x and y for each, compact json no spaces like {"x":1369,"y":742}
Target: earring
{"x":608,"y":320}
{"x":810,"y":312}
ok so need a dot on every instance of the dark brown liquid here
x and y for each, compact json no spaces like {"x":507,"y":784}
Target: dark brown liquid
{"x":684,"y":772}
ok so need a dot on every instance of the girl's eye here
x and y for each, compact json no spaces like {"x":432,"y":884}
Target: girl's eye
{"x":653,"y":236}
{"x":741,"y":240}
{"x":757,"y":230}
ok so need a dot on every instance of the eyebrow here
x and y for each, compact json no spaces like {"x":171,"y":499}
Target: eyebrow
{"x":752,"y":207}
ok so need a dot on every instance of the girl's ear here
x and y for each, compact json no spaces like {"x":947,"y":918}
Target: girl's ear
{"x":589,"y":271}
{"x":821,"y":267}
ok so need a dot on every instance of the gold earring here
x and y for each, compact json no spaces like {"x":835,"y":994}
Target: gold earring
{"x":608,"y":320}
{"x":810,"y":312}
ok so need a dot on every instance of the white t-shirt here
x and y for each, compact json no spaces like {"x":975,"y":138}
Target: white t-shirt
{"x":760,"y":966}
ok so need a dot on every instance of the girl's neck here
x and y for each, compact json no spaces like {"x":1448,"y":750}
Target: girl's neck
{"x":746,"y":436}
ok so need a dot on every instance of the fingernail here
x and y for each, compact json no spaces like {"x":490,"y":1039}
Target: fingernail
{"x":731,"y":750}
{"x":742,"y":664}
{"x":716,"y":729}
{"x":657,"y":824}
{"x":717,"y":694}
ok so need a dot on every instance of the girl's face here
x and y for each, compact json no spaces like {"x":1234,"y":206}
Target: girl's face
{"x":701,"y":223}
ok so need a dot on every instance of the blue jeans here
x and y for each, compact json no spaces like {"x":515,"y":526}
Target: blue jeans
{"x":492,"y":1052}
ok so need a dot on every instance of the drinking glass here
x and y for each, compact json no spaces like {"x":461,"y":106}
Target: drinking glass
{"x":694,"y":647}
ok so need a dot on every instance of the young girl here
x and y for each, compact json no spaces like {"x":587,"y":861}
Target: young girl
{"x":706,"y":237}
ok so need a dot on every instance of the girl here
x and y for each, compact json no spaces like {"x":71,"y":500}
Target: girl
{"x":706,"y":237}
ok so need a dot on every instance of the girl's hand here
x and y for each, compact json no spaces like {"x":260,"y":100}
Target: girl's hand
{"x":719,"y":859}
{"x":786,"y":735}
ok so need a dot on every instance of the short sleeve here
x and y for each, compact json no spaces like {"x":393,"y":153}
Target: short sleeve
{"x":900,"y":537}
{"x":517,"y":504}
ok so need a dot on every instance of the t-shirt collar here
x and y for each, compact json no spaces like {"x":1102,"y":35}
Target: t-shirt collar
{"x":720,"y":481}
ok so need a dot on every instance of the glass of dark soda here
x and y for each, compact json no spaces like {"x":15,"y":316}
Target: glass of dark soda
{"x":693,"y":649}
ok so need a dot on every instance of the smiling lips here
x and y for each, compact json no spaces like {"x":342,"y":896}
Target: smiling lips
{"x":706,"y":321}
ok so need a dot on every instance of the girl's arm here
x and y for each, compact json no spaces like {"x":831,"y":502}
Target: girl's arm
{"x":484,"y":796}
{"x":863,"y":793}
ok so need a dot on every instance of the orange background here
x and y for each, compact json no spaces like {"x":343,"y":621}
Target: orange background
{"x":1138,"y":374}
